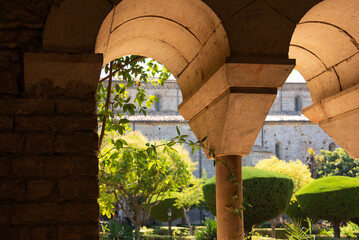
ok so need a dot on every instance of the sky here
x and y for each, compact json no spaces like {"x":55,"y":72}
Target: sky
{"x":294,"y":77}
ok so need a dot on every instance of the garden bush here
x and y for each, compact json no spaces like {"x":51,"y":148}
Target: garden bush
{"x":280,"y":232}
{"x":296,"y":213}
{"x":178,"y":231}
{"x":334,"y":198}
{"x":267,"y":192}
{"x":355,"y":220}
{"x":166,"y":237}
{"x":159,"y":212}
{"x":209,"y":232}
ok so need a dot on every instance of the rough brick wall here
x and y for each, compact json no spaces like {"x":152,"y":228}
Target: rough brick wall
{"x":48,"y":139}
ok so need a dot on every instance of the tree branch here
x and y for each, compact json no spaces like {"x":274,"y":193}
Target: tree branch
{"x":139,"y":58}
{"x":106,"y":108}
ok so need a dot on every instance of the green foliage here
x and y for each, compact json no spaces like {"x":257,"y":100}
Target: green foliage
{"x":355,"y":220}
{"x":297,"y":170}
{"x":209,"y":194}
{"x":280,"y":233}
{"x":116,"y":231}
{"x":295,"y":231}
{"x":266,"y":193}
{"x":166,"y":237}
{"x":334,"y":198}
{"x":132,"y":172}
{"x":350,"y":229}
{"x":337,"y":162}
{"x":296,"y":213}
{"x":163,"y":230}
{"x":120,"y":231}
{"x":133,"y":175}
{"x":129,"y":71}
{"x":159,"y":211}
{"x":209,"y":232}
{"x":162,"y":233}
{"x":191,"y":195}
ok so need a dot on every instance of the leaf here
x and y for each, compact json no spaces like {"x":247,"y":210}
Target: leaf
{"x":151,"y":164}
{"x":178,"y":131}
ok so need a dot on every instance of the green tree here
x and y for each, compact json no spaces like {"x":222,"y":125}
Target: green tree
{"x":139,"y":175}
{"x":333,"y":198}
{"x":337,"y":162}
{"x":190,"y":196}
{"x":118,"y":156}
{"x":113,"y":101}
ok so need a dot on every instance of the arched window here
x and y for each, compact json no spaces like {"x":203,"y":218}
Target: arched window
{"x":332,"y":147}
{"x":297,"y":103}
{"x":157,"y":104}
{"x":277,"y":150}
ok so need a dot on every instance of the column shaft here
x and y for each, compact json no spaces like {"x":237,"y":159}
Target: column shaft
{"x":229,"y":197}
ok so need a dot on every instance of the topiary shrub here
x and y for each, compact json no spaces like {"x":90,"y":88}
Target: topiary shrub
{"x":209,"y":194}
{"x":334,"y":198}
{"x":296,"y":213}
{"x":159,"y":212}
{"x":267,"y":192}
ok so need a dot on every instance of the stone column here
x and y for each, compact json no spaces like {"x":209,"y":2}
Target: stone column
{"x":229,"y":109}
{"x":229,"y":197}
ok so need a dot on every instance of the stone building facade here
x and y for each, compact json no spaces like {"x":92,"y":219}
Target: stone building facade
{"x":286,"y":133}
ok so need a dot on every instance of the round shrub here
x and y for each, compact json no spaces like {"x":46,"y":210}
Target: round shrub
{"x":296,"y":213}
{"x":267,"y":192}
{"x":334,"y":198}
{"x":159,"y":212}
{"x":209,"y":194}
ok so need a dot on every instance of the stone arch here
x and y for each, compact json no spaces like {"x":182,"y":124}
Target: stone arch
{"x":325,"y":45}
{"x":192,"y":47}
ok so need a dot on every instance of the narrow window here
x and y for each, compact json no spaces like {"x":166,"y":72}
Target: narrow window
{"x":277,"y":150}
{"x":297,"y":103}
{"x":157,"y":104}
{"x":332,"y":147}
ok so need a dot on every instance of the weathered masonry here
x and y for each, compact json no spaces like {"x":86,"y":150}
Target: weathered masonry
{"x":230,"y":57}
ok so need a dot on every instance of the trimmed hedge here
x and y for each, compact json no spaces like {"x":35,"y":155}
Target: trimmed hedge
{"x":296,"y":213}
{"x":159,"y":212}
{"x":280,"y":233}
{"x":209,"y":194}
{"x":166,"y":237}
{"x":334,"y":198}
{"x":268,"y":192}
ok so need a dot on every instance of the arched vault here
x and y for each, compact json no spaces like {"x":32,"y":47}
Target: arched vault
{"x":326,"y":47}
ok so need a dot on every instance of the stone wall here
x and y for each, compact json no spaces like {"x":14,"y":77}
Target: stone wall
{"x":284,"y":126}
{"x":48,"y":139}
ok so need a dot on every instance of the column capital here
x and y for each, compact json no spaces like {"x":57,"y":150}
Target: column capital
{"x":231,"y":106}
